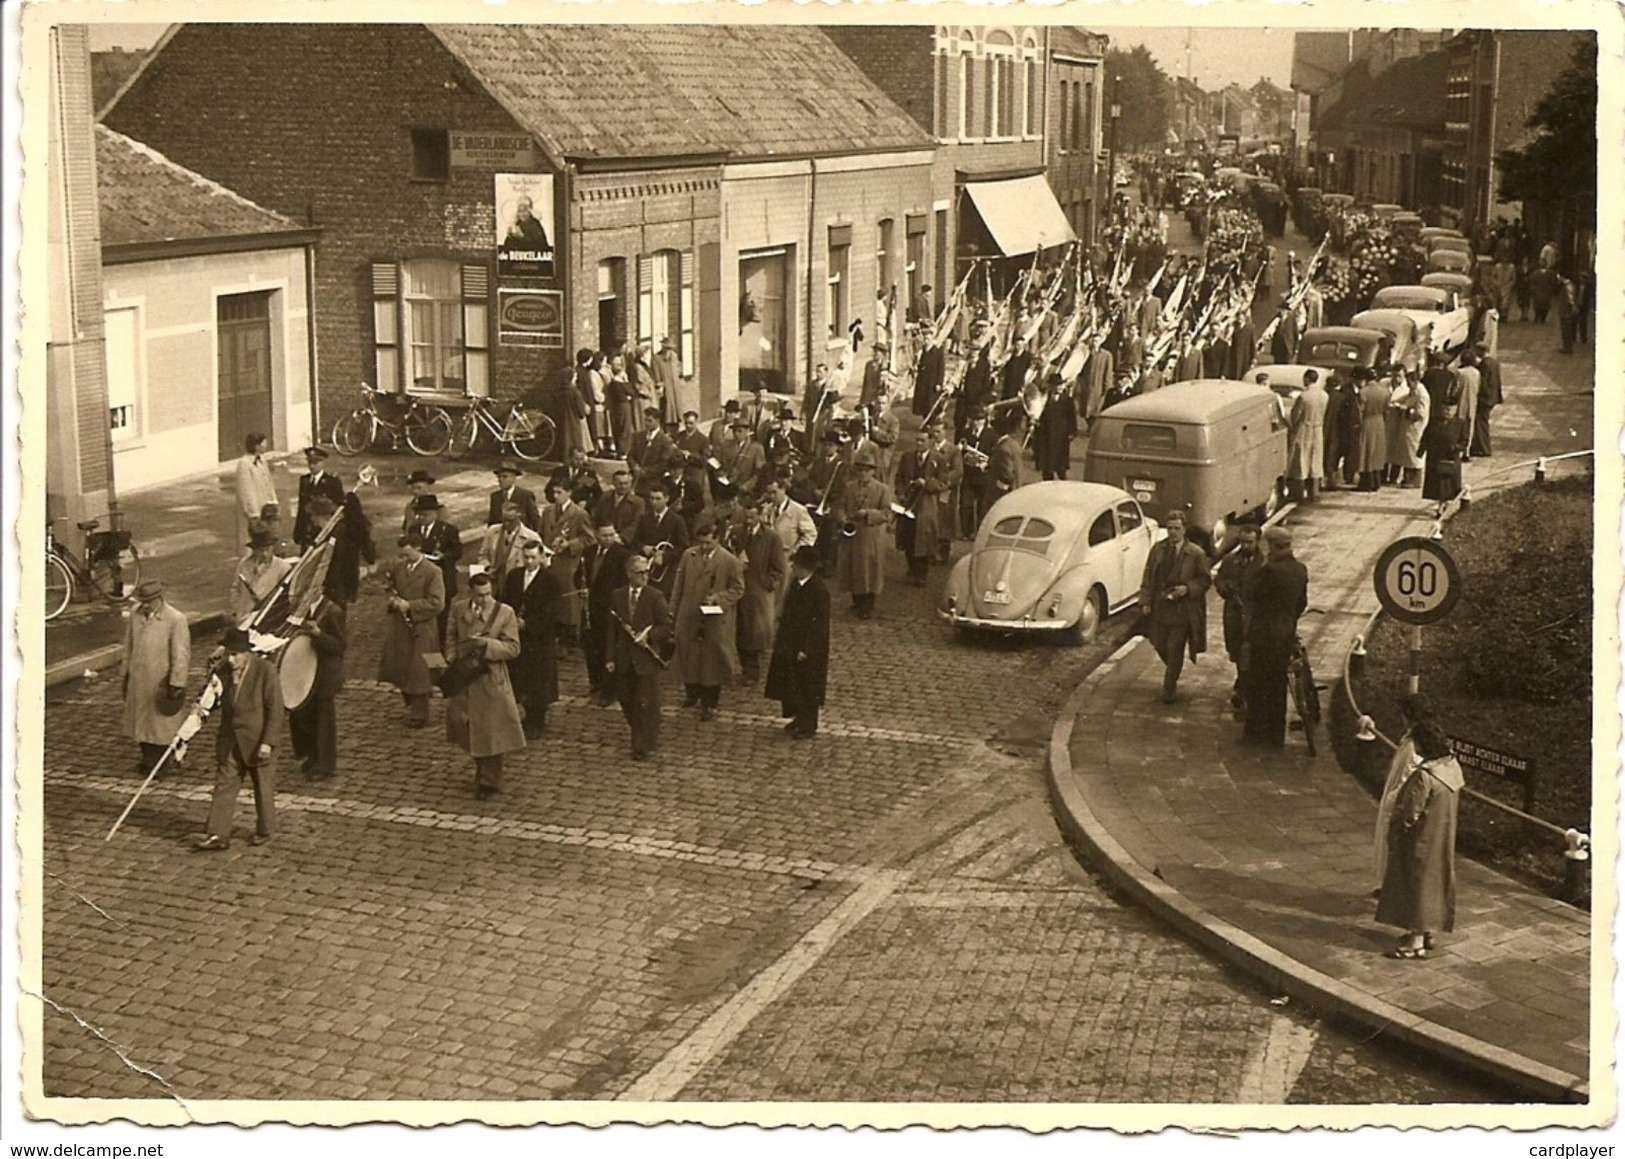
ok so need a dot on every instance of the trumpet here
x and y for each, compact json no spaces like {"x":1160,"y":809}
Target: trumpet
{"x":974,"y":456}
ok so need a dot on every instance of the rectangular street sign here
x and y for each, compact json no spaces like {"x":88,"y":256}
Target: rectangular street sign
{"x":1508,"y":766}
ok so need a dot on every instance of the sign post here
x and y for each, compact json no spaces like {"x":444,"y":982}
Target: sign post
{"x":1417,"y":583}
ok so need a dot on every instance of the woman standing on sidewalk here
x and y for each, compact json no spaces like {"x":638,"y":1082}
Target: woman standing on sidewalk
{"x":1419,"y":887}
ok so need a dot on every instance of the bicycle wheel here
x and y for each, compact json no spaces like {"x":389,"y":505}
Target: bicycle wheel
{"x":58,"y":587}
{"x":116,"y":574}
{"x":465,"y":432}
{"x":1304,"y":700}
{"x":354,"y":433}
{"x":428,"y":430}
{"x":531,"y":437}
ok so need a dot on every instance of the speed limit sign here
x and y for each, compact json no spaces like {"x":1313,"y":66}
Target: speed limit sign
{"x":1417,"y":581}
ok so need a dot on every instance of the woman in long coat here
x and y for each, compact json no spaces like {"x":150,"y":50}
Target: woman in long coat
{"x":483,"y":719}
{"x":1053,"y":433}
{"x":864,"y":508}
{"x":1419,"y":885}
{"x":707,"y":650}
{"x":1373,"y":452}
{"x":1413,"y":408}
{"x":766,"y":567}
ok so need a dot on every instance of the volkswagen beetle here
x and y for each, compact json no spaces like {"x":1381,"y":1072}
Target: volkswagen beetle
{"x":1054,"y":557}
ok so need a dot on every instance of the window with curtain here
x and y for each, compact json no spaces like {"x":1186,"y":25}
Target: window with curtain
{"x":1030,"y":106}
{"x":431,"y":326}
{"x":1001,"y":72}
{"x":838,"y":295}
{"x":666,"y":302}
{"x":885,"y":258}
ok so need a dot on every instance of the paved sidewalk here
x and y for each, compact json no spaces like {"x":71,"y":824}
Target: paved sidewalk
{"x":1266,"y":858}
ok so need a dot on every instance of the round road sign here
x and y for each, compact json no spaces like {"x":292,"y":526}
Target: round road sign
{"x":1417,"y":581}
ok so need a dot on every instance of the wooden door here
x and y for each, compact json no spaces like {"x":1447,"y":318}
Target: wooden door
{"x":244,"y":325}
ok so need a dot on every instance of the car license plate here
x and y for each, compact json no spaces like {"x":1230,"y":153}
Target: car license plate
{"x":995,"y":597}
{"x":1143,"y":485}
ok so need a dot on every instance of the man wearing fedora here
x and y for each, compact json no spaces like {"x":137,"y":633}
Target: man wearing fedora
{"x":799,"y":669}
{"x":668,"y":370}
{"x":250,"y":711}
{"x":417,"y":596}
{"x":864,"y":510}
{"x":258,"y":574}
{"x":418,"y":483}
{"x":442,"y":546}
{"x":157,"y":654}
{"x":316,"y":482}
{"x":509,"y":491}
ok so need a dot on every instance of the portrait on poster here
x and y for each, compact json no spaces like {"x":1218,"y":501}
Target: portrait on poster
{"x":524,"y":207}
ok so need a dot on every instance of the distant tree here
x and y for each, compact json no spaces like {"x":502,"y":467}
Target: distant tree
{"x":1145,"y":95}
{"x":1560,"y":162}
{"x":109,"y":70}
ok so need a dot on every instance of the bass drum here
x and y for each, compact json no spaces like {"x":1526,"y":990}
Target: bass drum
{"x":296,"y":671}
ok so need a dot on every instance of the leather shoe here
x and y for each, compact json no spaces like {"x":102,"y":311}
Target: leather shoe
{"x":260,"y":839}
{"x":639,"y":755}
{"x":210,"y":843}
{"x":707,"y":712}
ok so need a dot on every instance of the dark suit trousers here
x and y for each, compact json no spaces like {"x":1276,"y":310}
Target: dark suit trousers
{"x":1266,"y":693}
{"x":228,"y":782}
{"x":1170,"y":640}
{"x":640,"y":702}
{"x":592,"y":650}
{"x":803,"y":715}
{"x":314,"y":727}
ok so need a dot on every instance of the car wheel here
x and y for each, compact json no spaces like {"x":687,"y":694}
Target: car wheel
{"x":1087,"y":628}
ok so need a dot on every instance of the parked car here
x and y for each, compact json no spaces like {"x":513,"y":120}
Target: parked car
{"x":1450,"y":320}
{"x":1449,"y":262}
{"x":1433,"y":231}
{"x":1385,"y":211}
{"x":1212,"y":448}
{"x":1054,"y":557}
{"x":1341,"y":347}
{"x":1410,"y":341}
{"x":1459,"y":284}
{"x":1407,"y":224}
{"x":1450,"y":241}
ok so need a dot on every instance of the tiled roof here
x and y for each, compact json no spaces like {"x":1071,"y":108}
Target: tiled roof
{"x":1408,"y":94}
{"x":146,"y":197}
{"x":610,"y":91}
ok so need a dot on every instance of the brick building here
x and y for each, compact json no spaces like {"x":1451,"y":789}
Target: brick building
{"x":494,"y":197}
{"x":987,"y":96}
{"x":1387,"y":133}
{"x":1076,"y":162}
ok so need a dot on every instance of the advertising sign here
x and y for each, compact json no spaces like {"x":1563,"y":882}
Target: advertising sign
{"x":524,"y":225}
{"x":530,"y":318}
{"x":473,"y":149}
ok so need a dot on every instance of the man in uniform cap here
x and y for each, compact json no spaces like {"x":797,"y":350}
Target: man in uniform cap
{"x":250,"y":713}
{"x":316,"y":482}
{"x":157,"y":654}
{"x":508,"y":490}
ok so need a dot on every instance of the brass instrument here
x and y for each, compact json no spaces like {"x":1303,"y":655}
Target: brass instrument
{"x":974,"y":456}
{"x":659,"y":560}
{"x":823,"y":500}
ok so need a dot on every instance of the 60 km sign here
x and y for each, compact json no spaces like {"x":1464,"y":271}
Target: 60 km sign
{"x":1417,"y":581}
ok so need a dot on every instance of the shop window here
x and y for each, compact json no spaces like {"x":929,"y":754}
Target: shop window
{"x":666,"y":302}
{"x":431,"y":154}
{"x":431,"y":327}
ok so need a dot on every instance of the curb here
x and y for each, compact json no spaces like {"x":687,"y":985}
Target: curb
{"x":1092,"y":843}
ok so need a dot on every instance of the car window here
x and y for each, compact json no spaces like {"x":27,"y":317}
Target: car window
{"x":1102,"y":529}
{"x":1333,"y":354}
{"x":1129,"y":518}
{"x":1148,"y":437}
{"x":1009,"y":525}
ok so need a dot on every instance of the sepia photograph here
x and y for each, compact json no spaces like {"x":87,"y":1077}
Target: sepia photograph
{"x":781,"y":565}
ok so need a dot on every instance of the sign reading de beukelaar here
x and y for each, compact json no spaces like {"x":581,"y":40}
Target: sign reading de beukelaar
{"x":524,"y":226}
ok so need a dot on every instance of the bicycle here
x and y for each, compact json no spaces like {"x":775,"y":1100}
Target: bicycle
{"x":526,"y":435}
{"x":1300,"y":680}
{"x":110,"y":566}
{"x":426,"y":429}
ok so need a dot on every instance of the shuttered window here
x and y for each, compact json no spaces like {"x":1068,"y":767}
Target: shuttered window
{"x":431,"y":321}
{"x":666,"y":302}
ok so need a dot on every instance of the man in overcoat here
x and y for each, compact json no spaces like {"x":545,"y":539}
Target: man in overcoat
{"x":417,"y":595}
{"x":1054,"y":431}
{"x":766,"y":569}
{"x":1173,"y":597}
{"x":443,"y":547}
{"x":502,"y":549}
{"x":705,"y":596}
{"x":1278,"y":596}
{"x":604,"y":566}
{"x":1233,"y":581}
{"x":157,"y":654}
{"x":638,"y":632}
{"x":566,"y":530}
{"x":483,"y":719}
{"x":799,"y":670}
{"x":258,"y":574}
{"x":313,"y":727}
{"x":927,"y":478}
{"x":250,"y":714}
{"x":864,"y":508}
{"x":531,"y":590}
{"x":1306,"y":450}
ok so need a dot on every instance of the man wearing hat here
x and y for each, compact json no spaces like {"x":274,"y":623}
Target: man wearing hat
{"x":313,"y":727}
{"x":315,"y":482}
{"x":799,"y":669}
{"x":723,"y":436}
{"x":352,"y":546}
{"x":157,"y":654}
{"x":864,"y":508}
{"x":875,"y":374}
{"x":778,"y":446}
{"x":418,"y":483}
{"x":245,"y":746}
{"x":442,"y":546}
{"x":668,"y":370}
{"x":708,"y":577}
{"x":417,"y":596}
{"x":974,"y":492}
{"x":927,"y":477}
{"x":508,"y":490}
{"x":258,"y":574}
{"x":483,"y":719}
{"x":766,"y":570}
{"x":743,"y":464}
{"x":825,"y":475}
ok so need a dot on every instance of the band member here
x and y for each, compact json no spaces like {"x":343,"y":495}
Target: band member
{"x":417,"y":597}
{"x":975,"y":487}
{"x":258,"y":574}
{"x":693,"y":449}
{"x":928,"y":379}
{"x":566,"y":530}
{"x":734,"y":522}
{"x":316,"y":482}
{"x":882,"y":430}
{"x":793,"y":522}
{"x":443,"y":547}
{"x":709,"y":585}
{"x":826,"y":474}
{"x":604,"y":565}
{"x":745,"y":463}
{"x":1173,"y":595}
{"x":926,"y":479}
{"x":352,"y":546}
{"x":799,"y":670}
{"x":639,"y":628}
{"x":975,"y":388}
{"x":313,"y":726}
{"x":778,"y":447}
{"x":418,"y":483}
{"x":722,"y":434}
{"x":483,"y":719}
{"x":875,"y":375}
{"x":250,"y":711}
{"x":661,"y":538}
{"x":863,"y":511}
{"x":653,"y":454}
{"x":157,"y":654}
{"x":621,"y":507}
{"x":502,"y":549}
{"x":1013,"y":374}
{"x":766,"y":570}
{"x":509,"y":491}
